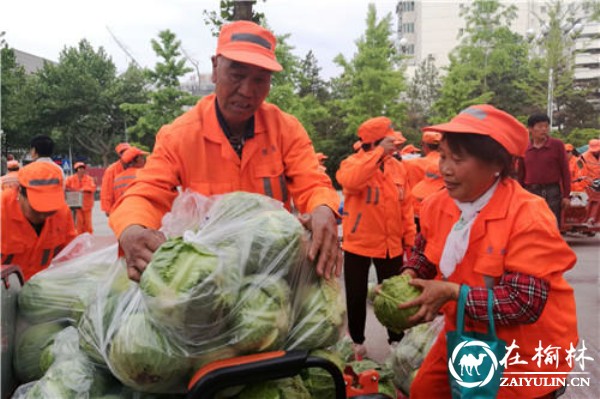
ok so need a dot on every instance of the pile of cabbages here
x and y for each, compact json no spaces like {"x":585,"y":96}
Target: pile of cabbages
{"x":232,"y":279}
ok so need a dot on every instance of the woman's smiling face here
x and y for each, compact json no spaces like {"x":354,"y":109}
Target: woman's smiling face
{"x":466,"y":177}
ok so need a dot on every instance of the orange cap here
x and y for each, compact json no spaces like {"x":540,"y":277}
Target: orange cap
{"x":377,"y":128}
{"x":569,"y":147}
{"x":409,"y":149}
{"x":79,"y":165}
{"x":489,"y":121}
{"x":13,"y":164}
{"x":121,"y":147}
{"x":130,"y":154}
{"x":247,"y":42}
{"x":594,"y":145}
{"x":431,"y":137}
{"x":44,"y":183}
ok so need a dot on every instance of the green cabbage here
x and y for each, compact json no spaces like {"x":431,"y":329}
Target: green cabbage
{"x":318,"y":381}
{"x":284,"y":388}
{"x":31,"y":345}
{"x":237,"y":206}
{"x":185,"y":290}
{"x":142,"y":357}
{"x":261,"y":317}
{"x":321,"y":317}
{"x":394,"y":291}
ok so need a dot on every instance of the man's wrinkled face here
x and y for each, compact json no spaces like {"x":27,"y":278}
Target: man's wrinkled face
{"x":33,"y":216}
{"x":240,"y":88}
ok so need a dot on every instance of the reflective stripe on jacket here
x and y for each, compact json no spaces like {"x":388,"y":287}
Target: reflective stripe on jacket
{"x":378,"y":218}
{"x":122,"y":181}
{"x":20,"y":243}
{"x":515,"y":231}
{"x":85,"y":184}
{"x":193,"y":152}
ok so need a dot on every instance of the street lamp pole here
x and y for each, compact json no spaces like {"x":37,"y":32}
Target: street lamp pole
{"x":550,"y":94}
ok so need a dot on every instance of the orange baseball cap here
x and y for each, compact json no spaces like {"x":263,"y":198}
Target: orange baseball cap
{"x":377,"y":128}
{"x":130,"y":154}
{"x":121,"y":147}
{"x":569,"y":147}
{"x":247,"y":42}
{"x":594,"y":145}
{"x":409,"y":149}
{"x":13,"y":164}
{"x":79,"y":165}
{"x":431,"y":137}
{"x":489,"y":121}
{"x":44,"y":183}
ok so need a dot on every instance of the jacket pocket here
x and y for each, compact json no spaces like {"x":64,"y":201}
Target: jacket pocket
{"x":270,"y":179}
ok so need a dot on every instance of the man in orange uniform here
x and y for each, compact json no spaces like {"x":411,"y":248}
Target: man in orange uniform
{"x":574,"y":168}
{"x":487,"y":232}
{"x":232,"y":140}
{"x":84,"y":183}
{"x":107,"y":199}
{"x":133,"y":159}
{"x":590,"y":162}
{"x":36,"y":221}
{"x":431,"y":183}
{"x":415,"y":167}
{"x":10,"y":179}
{"x":378,"y":220}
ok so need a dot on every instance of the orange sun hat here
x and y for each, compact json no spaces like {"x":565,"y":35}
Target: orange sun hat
{"x":247,"y":42}
{"x":44,"y":184}
{"x":489,"y":121}
{"x":131,"y":153}
{"x":377,"y":128}
{"x":121,"y":147}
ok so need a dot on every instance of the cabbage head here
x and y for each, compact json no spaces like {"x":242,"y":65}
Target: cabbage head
{"x":284,"y":388}
{"x":261,"y":317}
{"x":237,"y":206}
{"x":321,"y":317}
{"x":187,"y":291}
{"x":394,"y":291}
{"x":34,"y":341}
{"x":318,"y":381}
{"x":143,"y":358}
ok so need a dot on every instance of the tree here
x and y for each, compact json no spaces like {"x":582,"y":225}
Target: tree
{"x":227,"y":13}
{"x":166,"y":101}
{"x":487,"y":64}
{"x":421,"y":93}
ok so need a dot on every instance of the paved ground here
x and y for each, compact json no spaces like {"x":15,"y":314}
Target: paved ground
{"x":584,"y":277}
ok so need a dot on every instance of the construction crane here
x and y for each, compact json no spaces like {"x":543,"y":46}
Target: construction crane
{"x":123,"y":47}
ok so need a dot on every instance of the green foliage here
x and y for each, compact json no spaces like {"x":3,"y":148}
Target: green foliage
{"x":487,"y":65}
{"x":422,"y":91}
{"x":214,"y":20}
{"x":579,"y":137}
{"x":166,"y":101}
{"x":14,"y":104}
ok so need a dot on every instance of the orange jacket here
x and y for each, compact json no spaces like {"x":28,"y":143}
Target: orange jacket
{"x":378,"y":217}
{"x":575,"y":171}
{"x":432,"y":182}
{"x":20,"y":243}
{"x":107,"y":199}
{"x":514,"y":232}
{"x":416,"y":167}
{"x":193,"y":152}
{"x":85,"y":184}
{"x":590,"y":167}
{"x":122,"y":181}
{"x":10,"y":180}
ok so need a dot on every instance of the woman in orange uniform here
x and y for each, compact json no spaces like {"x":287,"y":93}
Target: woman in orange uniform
{"x":84,"y":183}
{"x":378,"y":220}
{"x":485,"y":231}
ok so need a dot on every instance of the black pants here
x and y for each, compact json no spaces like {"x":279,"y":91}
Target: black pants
{"x":356,"y":279}
{"x":551,"y":193}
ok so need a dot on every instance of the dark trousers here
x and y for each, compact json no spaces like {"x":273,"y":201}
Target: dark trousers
{"x":356,"y":279}
{"x":551,"y":193}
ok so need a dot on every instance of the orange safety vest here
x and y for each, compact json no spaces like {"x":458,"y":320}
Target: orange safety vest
{"x":432,"y":182}
{"x":378,"y":218}
{"x":22,"y":246}
{"x":122,"y":181}
{"x":193,"y":152}
{"x":107,"y":198}
{"x":10,"y":180}
{"x":575,"y":172}
{"x":591,"y":167}
{"x":416,"y":167}
{"x":512,"y":234}
{"x":85,"y":184}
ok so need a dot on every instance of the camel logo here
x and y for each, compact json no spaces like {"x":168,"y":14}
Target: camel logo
{"x":471,"y":355}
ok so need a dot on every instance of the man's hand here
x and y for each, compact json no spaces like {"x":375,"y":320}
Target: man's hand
{"x":435,"y":294}
{"x":389,"y":145}
{"x":138,"y":244}
{"x":325,"y":245}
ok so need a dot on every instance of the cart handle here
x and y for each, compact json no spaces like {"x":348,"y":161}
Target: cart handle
{"x":216,"y":376}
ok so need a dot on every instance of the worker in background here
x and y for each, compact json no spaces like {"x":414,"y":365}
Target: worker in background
{"x":378,"y":220}
{"x":229,"y":141}
{"x":409,"y":152}
{"x":10,"y":179}
{"x":431,"y":183}
{"x":590,"y":162}
{"x":574,"y":168}
{"x":84,"y":183}
{"x":107,"y":199}
{"x":36,"y":217}
{"x":41,"y":149}
{"x":415,"y":167}
{"x":133,"y":159}
{"x":321,"y":158}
